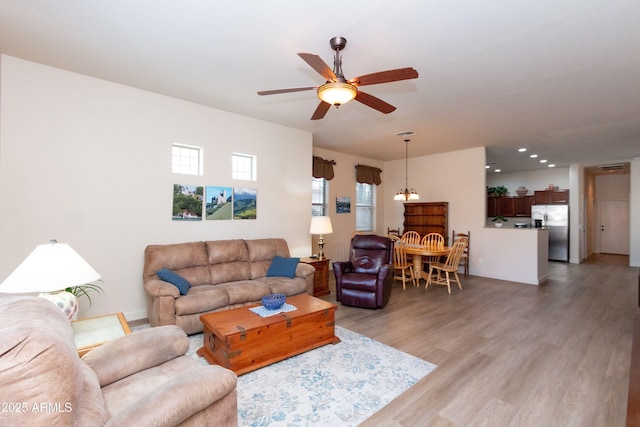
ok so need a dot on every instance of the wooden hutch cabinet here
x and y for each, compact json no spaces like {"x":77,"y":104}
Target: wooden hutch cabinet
{"x":425,"y":218}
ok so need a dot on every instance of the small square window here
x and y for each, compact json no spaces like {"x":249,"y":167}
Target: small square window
{"x":243,"y":166}
{"x":186,"y":159}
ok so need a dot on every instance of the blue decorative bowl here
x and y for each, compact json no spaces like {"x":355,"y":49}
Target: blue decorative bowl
{"x":274,"y":301}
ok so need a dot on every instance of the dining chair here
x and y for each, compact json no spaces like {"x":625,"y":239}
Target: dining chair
{"x":393,"y":231}
{"x":432,"y":241}
{"x":464,"y":259}
{"x":411,"y":238}
{"x":448,"y":267}
{"x":401,"y":265}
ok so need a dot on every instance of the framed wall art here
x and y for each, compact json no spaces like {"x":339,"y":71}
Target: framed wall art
{"x":187,"y":202}
{"x":218,"y":202}
{"x":245,"y":203}
{"x":343,"y":204}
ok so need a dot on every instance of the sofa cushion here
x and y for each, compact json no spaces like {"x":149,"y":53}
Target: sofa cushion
{"x":245,"y":291}
{"x":175,"y":279}
{"x":284,"y":285}
{"x":228,"y":261}
{"x":283,"y":267}
{"x":92,"y":408}
{"x":202,"y":299}
{"x":262,"y":251}
{"x":189,"y":260}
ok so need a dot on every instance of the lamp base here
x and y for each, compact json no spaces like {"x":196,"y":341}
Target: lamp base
{"x":66,"y":301}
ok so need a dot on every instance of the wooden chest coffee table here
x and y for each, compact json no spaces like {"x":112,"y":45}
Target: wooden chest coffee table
{"x":242,"y":341}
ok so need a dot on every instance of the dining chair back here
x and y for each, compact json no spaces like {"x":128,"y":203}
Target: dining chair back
{"x":401,"y":266}
{"x":443,"y":270}
{"x":433,"y":241}
{"x":411,"y":238}
{"x":393,"y":231}
{"x":464,"y":259}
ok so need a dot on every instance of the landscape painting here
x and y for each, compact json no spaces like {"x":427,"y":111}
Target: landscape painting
{"x":219,"y":204}
{"x":343,"y":204}
{"x":244,"y":203}
{"x":187,"y":202}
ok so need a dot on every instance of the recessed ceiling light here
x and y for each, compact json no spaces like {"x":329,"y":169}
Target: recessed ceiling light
{"x":551,"y":165}
{"x":522,"y":150}
{"x":487,"y":167}
{"x":543,"y":161}
{"x":533,"y":156}
{"x":498,"y":170}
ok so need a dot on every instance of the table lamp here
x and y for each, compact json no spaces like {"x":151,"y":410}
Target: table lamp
{"x":321,"y":225}
{"x":50,"y":269}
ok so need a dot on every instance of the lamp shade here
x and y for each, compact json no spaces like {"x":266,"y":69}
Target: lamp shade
{"x":337,"y":93}
{"x":50,"y":267}
{"x":320,"y":225}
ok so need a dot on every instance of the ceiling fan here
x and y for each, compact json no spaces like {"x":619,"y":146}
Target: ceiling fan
{"x":337,"y":90}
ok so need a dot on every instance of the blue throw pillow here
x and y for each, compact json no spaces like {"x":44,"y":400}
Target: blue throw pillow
{"x":283,"y":267}
{"x":175,"y":279}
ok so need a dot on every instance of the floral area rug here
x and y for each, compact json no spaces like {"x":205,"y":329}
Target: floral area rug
{"x":341,"y":384}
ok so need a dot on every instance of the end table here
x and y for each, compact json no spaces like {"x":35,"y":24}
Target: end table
{"x":321,"y":278}
{"x":94,"y":331}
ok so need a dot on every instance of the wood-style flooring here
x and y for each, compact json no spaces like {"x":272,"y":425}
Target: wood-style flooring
{"x":511,"y":354}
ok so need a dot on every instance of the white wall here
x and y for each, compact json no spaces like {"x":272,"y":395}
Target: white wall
{"x":88,"y":162}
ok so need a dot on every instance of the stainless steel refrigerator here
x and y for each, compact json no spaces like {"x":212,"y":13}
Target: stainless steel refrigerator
{"x":556,"y":219}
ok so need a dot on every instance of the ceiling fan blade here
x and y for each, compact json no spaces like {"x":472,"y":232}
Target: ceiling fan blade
{"x":321,"y":110}
{"x":319,"y":65}
{"x":385,"y":76}
{"x":374,"y":102}
{"x":295,"y":89}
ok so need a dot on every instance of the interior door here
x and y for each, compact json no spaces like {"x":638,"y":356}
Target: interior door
{"x":614,"y":226}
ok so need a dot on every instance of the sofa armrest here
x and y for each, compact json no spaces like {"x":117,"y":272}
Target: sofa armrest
{"x":136,"y":352}
{"x":160,"y":288}
{"x":178,"y":399}
{"x":304,"y":270}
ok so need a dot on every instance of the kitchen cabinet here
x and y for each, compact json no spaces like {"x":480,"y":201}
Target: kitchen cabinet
{"x":506,"y":206}
{"x":427,"y":218}
{"x":523,"y":205}
{"x":548,"y":197}
{"x":509,"y":206}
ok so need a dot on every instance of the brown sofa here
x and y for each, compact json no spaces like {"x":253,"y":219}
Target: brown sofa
{"x":223,"y":274}
{"x":141,"y":379}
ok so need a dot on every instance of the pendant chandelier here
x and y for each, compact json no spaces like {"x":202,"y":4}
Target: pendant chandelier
{"x":407,"y":193}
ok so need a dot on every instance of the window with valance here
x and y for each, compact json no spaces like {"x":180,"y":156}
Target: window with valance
{"x":323,"y":168}
{"x":368,"y":175}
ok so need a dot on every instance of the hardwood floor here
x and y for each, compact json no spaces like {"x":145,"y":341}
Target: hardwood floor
{"x":511,"y":354}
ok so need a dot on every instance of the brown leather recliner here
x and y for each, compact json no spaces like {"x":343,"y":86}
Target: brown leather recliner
{"x":366,"y":279}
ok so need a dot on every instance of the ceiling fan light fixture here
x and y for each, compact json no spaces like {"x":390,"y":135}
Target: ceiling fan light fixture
{"x":337,"y":93}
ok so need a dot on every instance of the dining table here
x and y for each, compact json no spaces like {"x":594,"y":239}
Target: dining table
{"x":420,"y":251}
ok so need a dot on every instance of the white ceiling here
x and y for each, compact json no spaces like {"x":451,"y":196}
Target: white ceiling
{"x":560,"y":77}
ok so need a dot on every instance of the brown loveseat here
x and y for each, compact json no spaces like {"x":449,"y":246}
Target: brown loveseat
{"x":223,"y":274}
{"x":141,"y":379}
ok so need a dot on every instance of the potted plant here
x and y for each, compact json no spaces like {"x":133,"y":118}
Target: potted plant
{"x":497,"y":221}
{"x":501,"y":190}
{"x":491,"y":191}
{"x":86,"y":289}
